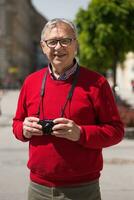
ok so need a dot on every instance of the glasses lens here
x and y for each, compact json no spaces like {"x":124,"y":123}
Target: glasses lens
{"x":65,"y":41}
{"x":51,"y":43}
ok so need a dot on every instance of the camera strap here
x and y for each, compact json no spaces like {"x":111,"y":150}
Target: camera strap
{"x":42,"y":91}
{"x":69,"y":96}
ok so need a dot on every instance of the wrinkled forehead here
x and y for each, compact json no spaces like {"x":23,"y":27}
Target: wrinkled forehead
{"x":60,"y":26}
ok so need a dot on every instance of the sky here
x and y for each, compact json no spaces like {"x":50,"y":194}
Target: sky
{"x":59,"y":8}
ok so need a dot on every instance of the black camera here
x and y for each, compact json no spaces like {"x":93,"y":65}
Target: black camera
{"x":47,"y":126}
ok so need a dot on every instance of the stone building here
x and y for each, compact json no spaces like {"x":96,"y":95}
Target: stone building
{"x":20,"y":52}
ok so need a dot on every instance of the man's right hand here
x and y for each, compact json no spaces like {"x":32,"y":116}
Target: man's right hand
{"x":31,"y":127}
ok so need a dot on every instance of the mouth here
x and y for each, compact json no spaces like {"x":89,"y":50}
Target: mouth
{"x":59,"y":55}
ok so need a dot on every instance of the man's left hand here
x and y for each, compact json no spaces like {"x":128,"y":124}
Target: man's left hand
{"x":66,"y":128}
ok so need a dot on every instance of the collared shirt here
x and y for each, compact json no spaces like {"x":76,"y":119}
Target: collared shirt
{"x":66,"y":74}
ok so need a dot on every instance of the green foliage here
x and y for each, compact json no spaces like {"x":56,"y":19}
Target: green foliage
{"x":105,"y":33}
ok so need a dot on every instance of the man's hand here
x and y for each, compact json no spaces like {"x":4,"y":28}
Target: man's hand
{"x":66,"y":128}
{"x":30,"y":127}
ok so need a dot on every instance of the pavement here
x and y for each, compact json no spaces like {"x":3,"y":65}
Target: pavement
{"x":117,"y":177}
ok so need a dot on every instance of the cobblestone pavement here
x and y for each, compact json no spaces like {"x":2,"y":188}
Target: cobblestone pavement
{"x":117,"y":179}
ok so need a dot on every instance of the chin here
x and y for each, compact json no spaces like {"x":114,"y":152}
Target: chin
{"x":58,"y":62}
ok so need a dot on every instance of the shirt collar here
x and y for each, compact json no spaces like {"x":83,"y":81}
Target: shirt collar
{"x":66,"y":74}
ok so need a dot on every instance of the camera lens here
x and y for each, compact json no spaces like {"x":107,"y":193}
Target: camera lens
{"x":47,"y":126}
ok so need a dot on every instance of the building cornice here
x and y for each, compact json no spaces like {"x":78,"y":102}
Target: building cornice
{"x":35,"y":10}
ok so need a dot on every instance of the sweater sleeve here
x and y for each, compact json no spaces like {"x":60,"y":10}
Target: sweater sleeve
{"x":109,"y":129}
{"x":20,"y":115}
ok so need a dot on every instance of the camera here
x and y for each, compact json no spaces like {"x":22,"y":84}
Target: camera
{"x":47,"y":126}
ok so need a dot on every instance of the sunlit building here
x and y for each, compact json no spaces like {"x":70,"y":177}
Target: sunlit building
{"x":125,"y":78}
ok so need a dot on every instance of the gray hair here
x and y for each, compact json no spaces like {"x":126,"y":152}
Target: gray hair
{"x":55,"y":21}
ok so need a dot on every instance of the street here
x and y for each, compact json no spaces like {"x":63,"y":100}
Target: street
{"x":117,"y":178}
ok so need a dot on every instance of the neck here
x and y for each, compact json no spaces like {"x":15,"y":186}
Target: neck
{"x":58,"y":70}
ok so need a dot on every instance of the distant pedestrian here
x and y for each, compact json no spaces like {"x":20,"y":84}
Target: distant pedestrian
{"x":1,"y":94}
{"x":132,"y":84}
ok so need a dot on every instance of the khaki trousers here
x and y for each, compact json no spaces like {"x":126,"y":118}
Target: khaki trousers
{"x":89,"y":191}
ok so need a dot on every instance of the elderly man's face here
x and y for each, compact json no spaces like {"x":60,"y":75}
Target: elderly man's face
{"x":60,"y":53}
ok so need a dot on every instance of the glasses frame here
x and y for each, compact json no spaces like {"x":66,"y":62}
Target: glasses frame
{"x":60,"y":42}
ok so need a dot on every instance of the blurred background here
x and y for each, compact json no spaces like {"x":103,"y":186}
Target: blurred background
{"x":106,"y":38}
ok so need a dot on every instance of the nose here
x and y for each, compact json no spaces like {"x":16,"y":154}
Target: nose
{"x":58,"y":45}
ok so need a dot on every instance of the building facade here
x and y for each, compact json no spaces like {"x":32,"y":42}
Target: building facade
{"x":20,"y":52}
{"x":125,"y":79}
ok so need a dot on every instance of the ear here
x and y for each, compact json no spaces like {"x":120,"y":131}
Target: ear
{"x":43,"y":46}
{"x":77,"y":48}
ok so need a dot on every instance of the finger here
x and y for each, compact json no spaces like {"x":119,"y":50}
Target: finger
{"x":61,"y":120}
{"x":59,"y":134}
{"x":30,"y":128}
{"x":27,"y":134}
{"x":63,"y":127}
{"x":35,"y":131}
{"x":29,"y":120}
{"x":31,"y":124}
{"x":62,"y":132}
{"x":32,"y":119}
{"x":40,"y":133}
{"x":62,"y":135}
{"x":36,"y":125}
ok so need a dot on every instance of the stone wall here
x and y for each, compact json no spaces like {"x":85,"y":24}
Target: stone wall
{"x":20,"y":30}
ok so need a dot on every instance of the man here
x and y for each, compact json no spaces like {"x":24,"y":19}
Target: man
{"x":68,"y":114}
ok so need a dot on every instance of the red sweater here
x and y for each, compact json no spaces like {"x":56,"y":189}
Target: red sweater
{"x":56,"y":161}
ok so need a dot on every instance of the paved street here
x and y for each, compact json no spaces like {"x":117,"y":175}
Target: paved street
{"x":13,"y":154}
{"x":117,"y":180}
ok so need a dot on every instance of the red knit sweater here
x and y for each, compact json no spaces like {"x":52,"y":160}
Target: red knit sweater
{"x":56,"y":161}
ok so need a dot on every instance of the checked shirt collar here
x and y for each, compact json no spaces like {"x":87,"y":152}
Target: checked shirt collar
{"x":66,"y":74}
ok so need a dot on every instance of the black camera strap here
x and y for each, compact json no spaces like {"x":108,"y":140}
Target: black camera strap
{"x":69,"y":96}
{"x":42,"y":91}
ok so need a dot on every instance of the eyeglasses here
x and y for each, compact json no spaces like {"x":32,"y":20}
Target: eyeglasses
{"x":64,"y":42}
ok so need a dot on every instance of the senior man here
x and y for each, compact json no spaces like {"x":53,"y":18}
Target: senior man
{"x":68,"y":115}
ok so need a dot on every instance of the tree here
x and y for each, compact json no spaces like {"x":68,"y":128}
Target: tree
{"x":105,"y":33}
